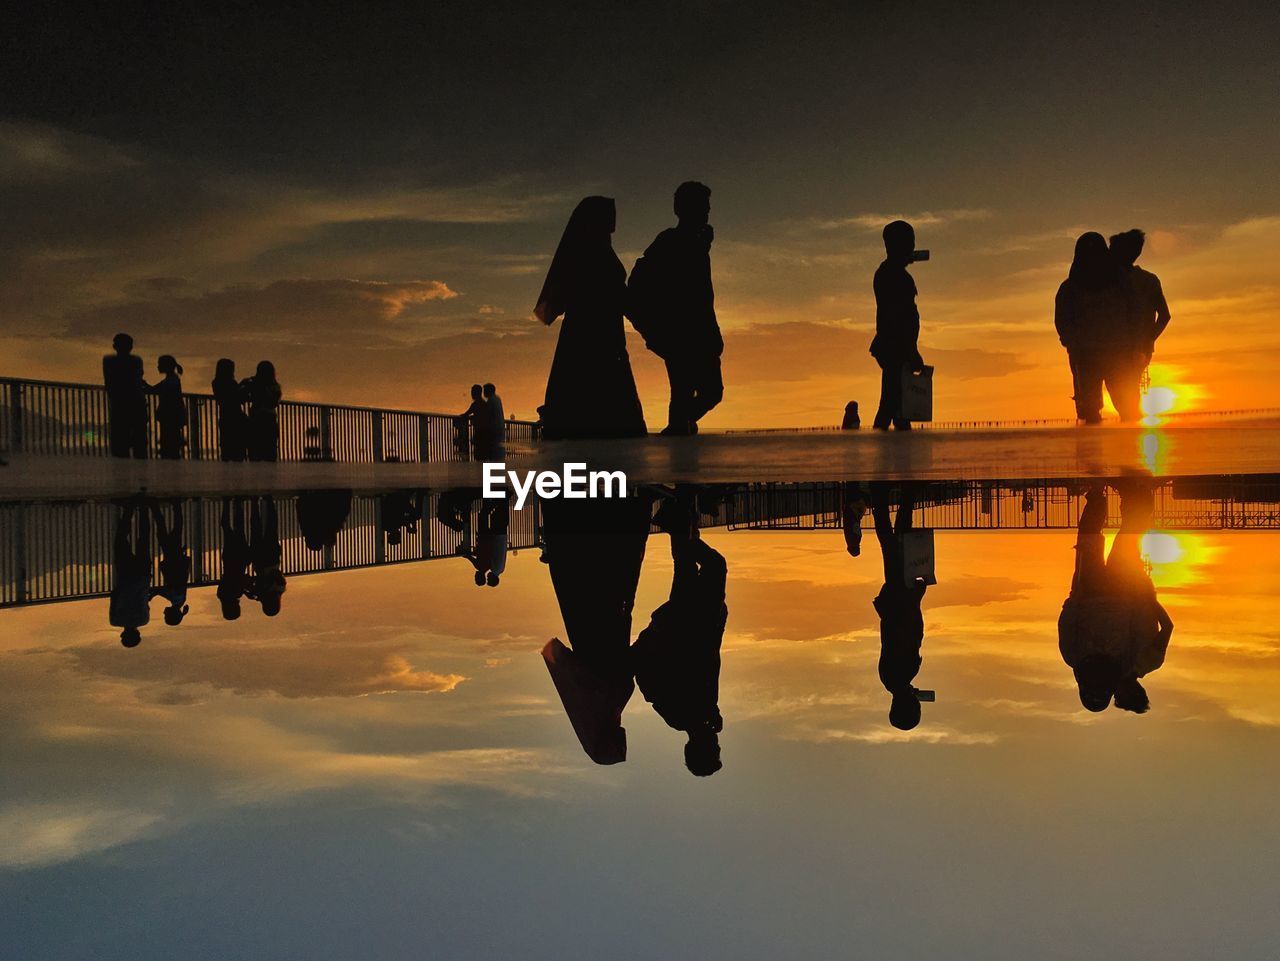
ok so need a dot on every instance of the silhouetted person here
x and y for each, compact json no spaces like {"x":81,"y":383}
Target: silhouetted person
{"x":1113,"y":630}
{"x":595,"y":549}
{"x":1146,"y":297}
{"x":851,"y":419}
{"x":671,"y":302}
{"x":491,"y":442}
{"x":1095,"y":324}
{"x":473,"y":417}
{"x":264,"y":400}
{"x":399,"y":512}
{"x":322,"y":515}
{"x":896,"y":343}
{"x":171,"y":409}
{"x":676,"y":658}
{"x":234,"y":582}
{"x":175,"y":563}
{"x":591,"y":391}
{"x":854,"y":500}
{"x":265,"y":553}
{"x":491,"y":541}
{"x":898,"y":604}
{"x":126,"y":399}
{"x":129,"y":607}
{"x":233,"y":426}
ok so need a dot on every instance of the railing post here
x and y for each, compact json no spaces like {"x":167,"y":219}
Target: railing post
{"x":193,"y":428}
{"x":376,"y":418}
{"x":326,"y":434}
{"x":424,"y":438}
{"x":15,"y":416}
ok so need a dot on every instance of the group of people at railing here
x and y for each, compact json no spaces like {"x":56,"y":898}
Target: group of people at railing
{"x":1108,"y":314}
{"x":247,"y":410}
{"x":481,"y":429}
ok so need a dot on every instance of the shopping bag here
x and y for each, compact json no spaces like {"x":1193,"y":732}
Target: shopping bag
{"x":917,"y":557}
{"x":917,"y":394}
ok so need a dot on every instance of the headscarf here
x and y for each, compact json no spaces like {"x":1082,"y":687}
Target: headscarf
{"x":589,"y":228}
{"x":1093,"y":267}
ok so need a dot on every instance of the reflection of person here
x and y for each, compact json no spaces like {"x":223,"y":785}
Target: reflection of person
{"x":676,"y":658}
{"x":129,"y":607}
{"x":126,"y":399}
{"x":322,"y":515}
{"x":671,"y":301}
{"x":1113,"y":630}
{"x":853,"y":507}
{"x":234,"y":581}
{"x":591,"y":391}
{"x":1094,"y":323}
{"x":399,"y":512}
{"x":175,"y":563}
{"x":265,"y":553}
{"x":233,"y":426}
{"x":895,"y":345}
{"x":491,"y":542}
{"x":595,"y":549}
{"x":898,"y":604}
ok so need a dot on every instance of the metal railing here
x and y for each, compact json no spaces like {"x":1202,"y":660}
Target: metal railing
{"x":50,"y":417}
{"x":64,"y":550}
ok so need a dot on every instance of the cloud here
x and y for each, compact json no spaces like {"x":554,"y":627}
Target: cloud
{"x":37,"y":835}
{"x":876,"y":221}
{"x":336,"y":309}
{"x":323,"y":667}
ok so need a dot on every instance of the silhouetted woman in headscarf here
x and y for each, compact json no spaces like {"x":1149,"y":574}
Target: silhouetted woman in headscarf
{"x":229,"y":395}
{"x":1091,"y":314}
{"x":591,"y":391}
{"x":171,"y":409}
{"x":264,"y":398}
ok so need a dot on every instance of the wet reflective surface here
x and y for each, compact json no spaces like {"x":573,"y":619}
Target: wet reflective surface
{"x":977,"y":721}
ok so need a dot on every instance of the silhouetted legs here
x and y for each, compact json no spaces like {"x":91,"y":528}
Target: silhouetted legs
{"x":128,"y":429}
{"x":696,"y":387}
{"x":1120,"y":373}
{"x":890,"y":409}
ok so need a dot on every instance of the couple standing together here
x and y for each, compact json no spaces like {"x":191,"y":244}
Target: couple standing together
{"x":591,"y":391}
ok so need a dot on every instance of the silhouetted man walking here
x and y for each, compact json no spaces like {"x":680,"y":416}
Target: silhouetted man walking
{"x":671,"y":302}
{"x":1149,"y":309}
{"x":126,"y":399}
{"x":895,"y":345}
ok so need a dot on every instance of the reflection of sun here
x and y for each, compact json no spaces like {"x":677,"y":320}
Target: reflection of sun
{"x":1177,"y":558}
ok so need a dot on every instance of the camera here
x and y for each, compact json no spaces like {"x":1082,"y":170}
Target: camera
{"x":919,"y":255}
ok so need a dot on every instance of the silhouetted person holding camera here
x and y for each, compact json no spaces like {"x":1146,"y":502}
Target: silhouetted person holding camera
{"x":126,"y":399}
{"x":591,"y":391}
{"x":175,"y":563}
{"x":898,"y":604}
{"x":1096,"y":325}
{"x":130,"y":604}
{"x":1146,"y":297}
{"x":671,"y":302}
{"x":1113,"y":630}
{"x":233,"y":426}
{"x":171,"y":408}
{"x":676,"y":658}
{"x":264,"y":401}
{"x":896,"y":343}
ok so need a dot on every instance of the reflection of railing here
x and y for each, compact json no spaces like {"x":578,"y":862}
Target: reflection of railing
{"x":1208,"y":504}
{"x":47,"y":417}
{"x":58,"y":551}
